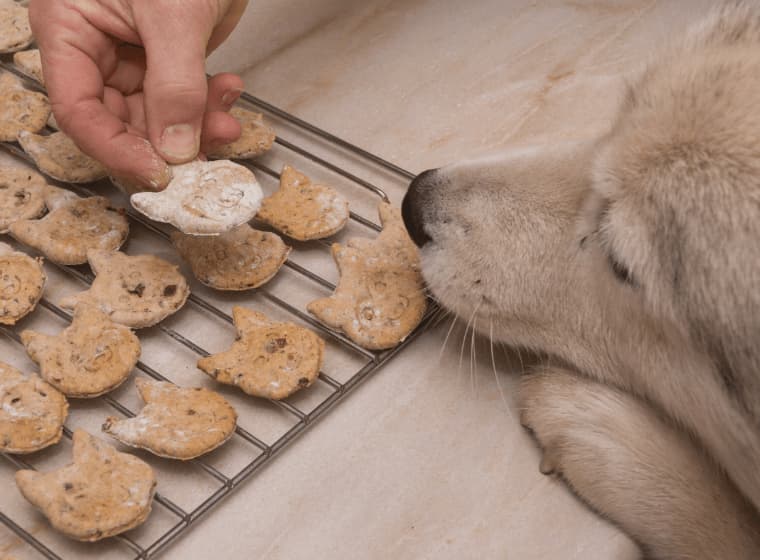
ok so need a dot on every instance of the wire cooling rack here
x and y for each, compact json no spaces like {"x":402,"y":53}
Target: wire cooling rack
{"x":189,"y":491}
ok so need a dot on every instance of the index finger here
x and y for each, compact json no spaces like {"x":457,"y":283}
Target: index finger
{"x":75,"y":57}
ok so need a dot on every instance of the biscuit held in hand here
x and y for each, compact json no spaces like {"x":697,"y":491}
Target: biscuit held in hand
{"x":90,"y":357}
{"x":204,"y":198}
{"x":15,"y":31}
{"x":269,"y":359}
{"x":21,"y":110}
{"x":176,"y":422}
{"x":303,"y":210}
{"x":72,"y":227}
{"x":31,"y":412}
{"x":57,"y":156}
{"x":22,"y":280}
{"x":241,"y":259}
{"x":379,"y":299}
{"x":136,"y":291}
{"x":22,"y":195}
{"x":256,"y":137}
{"x":101,"y":494}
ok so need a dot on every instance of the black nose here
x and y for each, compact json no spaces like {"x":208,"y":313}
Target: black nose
{"x":416,"y":205}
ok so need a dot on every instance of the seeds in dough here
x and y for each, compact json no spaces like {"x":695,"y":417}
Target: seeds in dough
{"x":240,"y":259}
{"x":302,"y":210}
{"x":30,"y":63}
{"x":22,"y":195}
{"x":31,"y":412}
{"x":204,"y":198}
{"x":268,"y":359}
{"x":57,"y":156}
{"x":100,"y":494}
{"x":21,"y":283}
{"x":21,"y":110}
{"x":15,"y":31}
{"x":92,"y":356}
{"x":73,"y":227}
{"x":136,"y":291}
{"x":176,"y":422}
{"x":256,"y":137}
{"x":379,"y":299}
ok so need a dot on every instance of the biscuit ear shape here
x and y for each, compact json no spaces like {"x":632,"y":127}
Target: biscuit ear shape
{"x":326,"y":310}
{"x":247,"y":319}
{"x":56,"y":197}
{"x":149,"y":389}
{"x":84,"y":446}
{"x":35,"y":343}
{"x":291,"y":178}
{"x":26,"y":480}
{"x":99,"y":259}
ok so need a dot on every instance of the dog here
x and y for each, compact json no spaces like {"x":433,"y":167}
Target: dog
{"x":633,"y":259}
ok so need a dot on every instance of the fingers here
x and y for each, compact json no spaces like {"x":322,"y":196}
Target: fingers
{"x":218,"y":126}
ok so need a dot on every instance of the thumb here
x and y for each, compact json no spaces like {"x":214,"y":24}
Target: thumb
{"x":175,"y":37}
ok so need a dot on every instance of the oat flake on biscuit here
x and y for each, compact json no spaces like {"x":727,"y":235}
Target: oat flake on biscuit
{"x":21,"y":110}
{"x":269,"y":359}
{"x":379,"y":299}
{"x":255,"y":139}
{"x":57,"y":156}
{"x":92,"y":356}
{"x":15,"y":31}
{"x":31,"y":412}
{"x":241,"y":259}
{"x":304,"y":210}
{"x":176,"y":422}
{"x":100,"y":494}
{"x":22,"y":195}
{"x":22,"y":281}
{"x":137,"y":291}
{"x":204,"y":198}
{"x":73,"y":226}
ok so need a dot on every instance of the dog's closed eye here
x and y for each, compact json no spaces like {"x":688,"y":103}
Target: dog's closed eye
{"x":620,"y":270}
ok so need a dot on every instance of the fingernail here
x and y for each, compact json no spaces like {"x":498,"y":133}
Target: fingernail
{"x":179,"y":142}
{"x":231,"y":96}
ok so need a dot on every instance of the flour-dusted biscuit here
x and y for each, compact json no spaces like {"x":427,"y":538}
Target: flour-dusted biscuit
{"x":21,"y":110}
{"x":22,"y":281}
{"x":31,"y":412}
{"x":176,"y":422}
{"x":379,"y":299}
{"x":268,"y":359}
{"x":204,"y":198}
{"x":303,"y":210}
{"x":240,"y":259}
{"x":15,"y":31}
{"x":256,"y":137}
{"x":72,"y":227}
{"x":100,"y":494}
{"x":137,"y":291}
{"x":92,"y":356}
{"x":58,"y":156}
{"x":22,"y":195}
{"x":30,"y":63}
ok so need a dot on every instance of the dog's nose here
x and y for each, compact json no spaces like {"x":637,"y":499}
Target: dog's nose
{"x":414,"y":206}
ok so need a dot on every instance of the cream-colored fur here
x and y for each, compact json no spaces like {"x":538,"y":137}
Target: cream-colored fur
{"x":634,"y":259}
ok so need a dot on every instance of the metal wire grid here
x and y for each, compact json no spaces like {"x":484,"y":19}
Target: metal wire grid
{"x":264,"y":453}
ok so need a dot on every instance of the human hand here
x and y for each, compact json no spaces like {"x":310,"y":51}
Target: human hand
{"x":126,"y":79}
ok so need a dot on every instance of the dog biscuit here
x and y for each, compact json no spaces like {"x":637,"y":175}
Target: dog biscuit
{"x":22,"y":281}
{"x":176,"y":422}
{"x":256,"y":137}
{"x":302,"y":210}
{"x":136,"y":291}
{"x":21,"y":110}
{"x":269,"y":359}
{"x":31,"y":412}
{"x":57,"y":156}
{"x":92,"y":356}
{"x":30,"y":63}
{"x":22,"y":195}
{"x":100,"y":494}
{"x":240,"y":259}
{"x":72,"y":227}
{"x":15,"y":31}
{"x":379,"y":299}
{"x":204,"y":198}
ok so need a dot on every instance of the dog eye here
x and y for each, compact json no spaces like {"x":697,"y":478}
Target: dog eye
{"x":620,"y":271}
